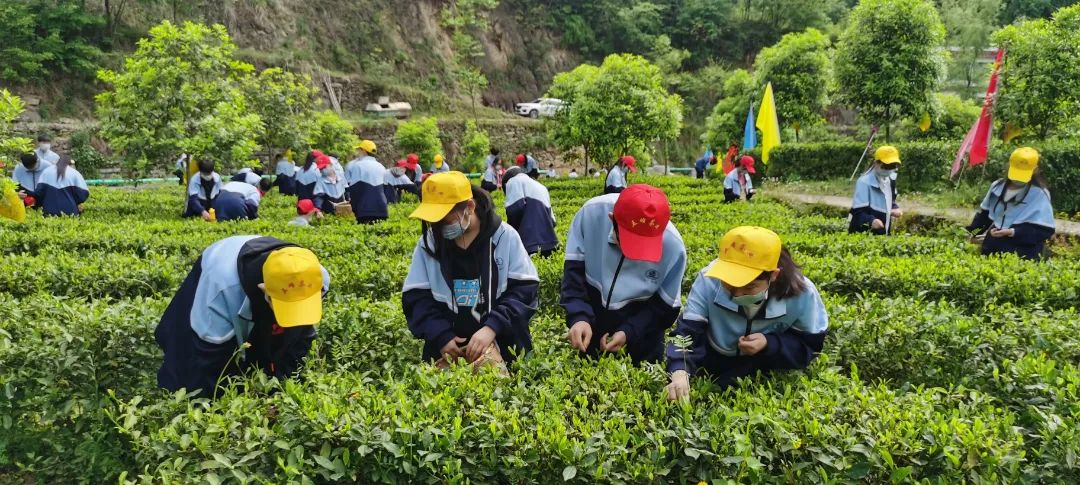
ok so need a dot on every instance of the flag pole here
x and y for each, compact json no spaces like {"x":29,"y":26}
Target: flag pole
{"x":869,"y":143}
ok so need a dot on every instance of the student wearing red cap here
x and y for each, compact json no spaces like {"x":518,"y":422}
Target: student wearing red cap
{"x":749,"y":310}
{"x":528,"y":165}
{"x":412,"y":168}
{"x":249,"y":302}
{"x":305,"y":210}
{"x":737,"y":183}
{"x":616,"y":177}
{"x":472,"y":289}
{"x":330,"y":188}
{"x":623,"y":273}
{"x":395,"y":182}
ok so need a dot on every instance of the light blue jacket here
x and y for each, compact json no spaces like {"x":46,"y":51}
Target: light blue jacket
{"x":367,"y":170}
{"x":28,"y":179}
{"x":1034,"y":207}
{"x":731,"y":182}
{"x":616,"y":177}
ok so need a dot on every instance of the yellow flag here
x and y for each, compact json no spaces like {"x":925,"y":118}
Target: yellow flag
{"x":924,"y":122}
{"x":768,"y":124}
{"x":1011,"y":131}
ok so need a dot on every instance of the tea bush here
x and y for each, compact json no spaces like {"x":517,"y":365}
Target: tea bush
{"x":942,"y":366}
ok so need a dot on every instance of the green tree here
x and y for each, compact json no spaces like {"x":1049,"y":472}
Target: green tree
{"x":1014,"y":10}
{"x":560,"y":128}
{"x":331,"y":133}
{"x":286,"y":104}
{"x":890,"y":59}
{"x":477,"y":146}
{"x":968,"y":25}
{"x":1040,"y":79}
{"x":798,"y":68}
{"x":11,"y":146}
{"x":621,"y":106}
{"x":420,"y":137}
{"x":725,"y":125}
{"x":48,"y":39}
{"x":180,"y":92}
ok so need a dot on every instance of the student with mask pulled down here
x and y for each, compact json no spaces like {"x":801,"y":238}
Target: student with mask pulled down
{"x":61,"y":190}
{"x":749,"y":310}
{"x":249,"y":302}
{"x":203,"y":188}
{"x":528,"y":210}
{"x":874,"y":206}
{"x":622,"y":276}
{"x":1016,"y":215}
{"x":472,"y":289}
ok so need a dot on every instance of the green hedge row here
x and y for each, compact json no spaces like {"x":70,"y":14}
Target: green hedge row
{"x":926,"y":165}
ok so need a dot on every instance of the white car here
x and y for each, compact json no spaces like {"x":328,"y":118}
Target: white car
{"x":539,"y":107}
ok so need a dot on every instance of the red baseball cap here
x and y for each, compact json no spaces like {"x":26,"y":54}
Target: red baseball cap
{"x":748,"y":162}
{"x":402,"y":163}
{"x":629,"y":162}
{"x":520,"y":158}
{"x":413,"y":159}
{"x":642,"y":213}
{"x":305,"y":206}
{"x":322,"y":161}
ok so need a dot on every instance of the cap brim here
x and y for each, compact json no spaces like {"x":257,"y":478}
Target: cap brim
{"x":1020,"y":175}
{"x":298,"y":313}
{"x":641,"y":248}
{"x":733,"y":274}
{"x":632,"y":168}
{"x":751,"y":170}
{"x":890,"y":161}
{"x":432,"y":212}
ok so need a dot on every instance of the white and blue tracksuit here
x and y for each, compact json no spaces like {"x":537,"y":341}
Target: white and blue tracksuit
{"x":393,"y":185}
{"x":612,"y":293}
{"x":46,"y":156}
{"x":532,"y":167}
{"x":237,"y":200}
{"x":217,"y":309}
{"x":201,"y":194}
{"x":61,"y":196}
{"x":327,"y":192}
{"x":444,"y":168}
{"x":450,"y":292}
{"x":1028,"y":213}
{"x":528,"y":210}
{"x":28,"y":179}
{"x":247,"y":176}
{"x":616,"y":180}
{"x":285,"y":177}
{"x":306,"y":180}
{"x":364,"y":178}
{"x":794,"y":327}
{"x":737,"y":185}
{"x":490,"y":182}
{"x":875,"y":198}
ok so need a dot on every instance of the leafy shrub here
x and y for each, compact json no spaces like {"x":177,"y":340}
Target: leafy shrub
{"x":332,"y":134}
{"x":477,"y":146}
{"x":419,"y":136}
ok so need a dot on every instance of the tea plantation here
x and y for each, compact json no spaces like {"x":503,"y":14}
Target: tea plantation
{"x":942,"y":366}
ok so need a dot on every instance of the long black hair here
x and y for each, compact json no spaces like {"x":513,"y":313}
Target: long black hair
{"x":62,"y":166}
{"x":485,"y":207}
{"x":790,"y":282}
{"x":309,"y":160}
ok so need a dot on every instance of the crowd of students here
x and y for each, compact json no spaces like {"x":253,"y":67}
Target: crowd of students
{"x":472,"y":288}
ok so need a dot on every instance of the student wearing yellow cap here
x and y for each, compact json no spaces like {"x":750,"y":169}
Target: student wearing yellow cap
{"x":1016,"y":215}
{"x":364,"y":178}
{"x":749,"y":310}
{"x":249,"y":302}
{"x":874,"y":206}
{"x":440,"y":164}
{"x":471,"y":289}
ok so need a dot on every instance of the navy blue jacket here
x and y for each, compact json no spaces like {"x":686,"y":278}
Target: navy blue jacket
{"x":61,"y":196}
{"x":364,"y":178}
{"x":528,"y":210}
{"x":237,"y":200}
{"x":217,"y":308}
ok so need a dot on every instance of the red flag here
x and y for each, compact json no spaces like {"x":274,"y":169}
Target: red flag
{"x":965,"y":147}
{"x":729,"y":160}
{"x":980,"y":144}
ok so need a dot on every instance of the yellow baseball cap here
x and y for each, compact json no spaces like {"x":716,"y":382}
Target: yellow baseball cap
{"x":887,"y":154}
{"x":367,"y":146}
{"x":1022,"y":164}
{"x":745,"y":253}
{"x":441,"y":192}
{"x":294,"y":281}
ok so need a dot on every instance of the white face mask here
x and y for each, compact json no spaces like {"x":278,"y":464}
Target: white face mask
{"x":45,"y":146}
{"x":206,"y":176}
{"x":885,"y":173}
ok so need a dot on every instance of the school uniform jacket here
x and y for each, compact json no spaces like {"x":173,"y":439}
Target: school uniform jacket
{"x":616,"y":180}
{"x":871,"y":202}
{"x":247,"y":176}
{"x":61,"y":196}
{"x":613,"y":293}
{"x":285,"y":177}
{"x":237,"y":200}
{"x":1030,"y":215}
{"x":794,"y":327}
{"x":428,"y":297}
{"x":199,"y":197}
{"x":393,"y":185}
{"x":306,"y":181}
{"x":365,"y":177}
{"x":329,"y":193}
{"x":28,"y":179}
{"x":217,"y":309}
{"x":528,"y":210}
{"x":733,"y":190}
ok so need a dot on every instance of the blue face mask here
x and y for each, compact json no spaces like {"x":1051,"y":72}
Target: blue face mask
{"x":747,"y":300}
{"x":885,"y":173}
{"x":453,"y":231}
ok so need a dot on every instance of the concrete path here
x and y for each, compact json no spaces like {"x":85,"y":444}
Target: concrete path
{"x":960,"y":215}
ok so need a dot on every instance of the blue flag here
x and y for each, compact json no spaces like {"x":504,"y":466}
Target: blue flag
{"x":749,"y":140}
